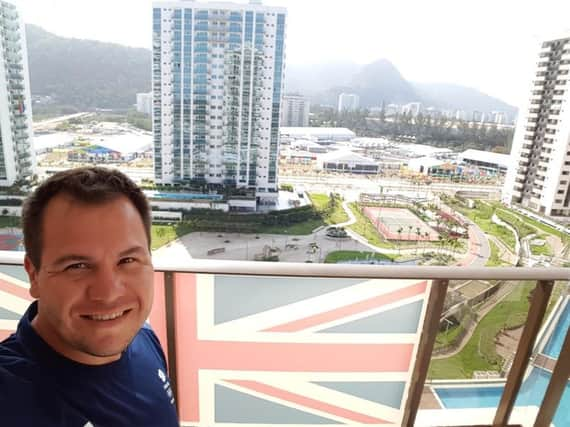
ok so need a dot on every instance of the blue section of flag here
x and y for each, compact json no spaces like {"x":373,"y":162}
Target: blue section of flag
{"x":387,"y":393}
{"x":241,"y":408}
{"x":400,"y":320}
{"x":236,"y":297}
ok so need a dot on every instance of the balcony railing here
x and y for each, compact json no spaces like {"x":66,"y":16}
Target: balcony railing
{"x":278,"y":343}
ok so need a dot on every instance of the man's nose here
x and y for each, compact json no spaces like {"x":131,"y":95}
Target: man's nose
{"x":106,"y":284}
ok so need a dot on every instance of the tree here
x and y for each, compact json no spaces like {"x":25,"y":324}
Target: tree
{"x":418,"y":238}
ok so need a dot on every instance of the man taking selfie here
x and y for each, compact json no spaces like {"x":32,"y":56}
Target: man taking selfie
{"x":82,"y":354}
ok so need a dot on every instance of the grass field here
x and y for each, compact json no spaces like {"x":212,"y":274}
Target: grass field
{"x":334,"y":215}
{"x":10,"y":221}
{"x":494,"y":260}
{"x":337,"y":256}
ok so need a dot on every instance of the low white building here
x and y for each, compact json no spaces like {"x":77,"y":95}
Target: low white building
{"x":486,"y":160}
{"x":348,"y":162}
{"x":423,"y":164}
{"x":316,"y":134}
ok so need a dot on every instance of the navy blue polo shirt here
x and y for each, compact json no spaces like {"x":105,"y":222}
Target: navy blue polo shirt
{"x":39,"y":387}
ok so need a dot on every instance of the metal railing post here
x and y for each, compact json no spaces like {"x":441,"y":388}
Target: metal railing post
{"x":536,"y":311}
{"x":425,"y":348}
{"x":169,"y":298}
{"x":556,"y":387}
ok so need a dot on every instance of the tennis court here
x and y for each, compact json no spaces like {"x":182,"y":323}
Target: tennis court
{"x":11,"y":242}
{"x":389,"y":220}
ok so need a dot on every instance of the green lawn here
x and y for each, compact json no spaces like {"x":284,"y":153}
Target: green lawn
{"x":534,"y":223}
{"x":334,"y":215}
{"x":163,"y":234}
{"x":543,"y":227}
{"x":523,"y":229}
{"x":10,"y":221}
{"x":300,"y":228}
{"x":336,"y":256}
{"x":545,"y":249}
{"x":479,"y":353}
{"x":445,"y":338}
{"x":494,"y":259}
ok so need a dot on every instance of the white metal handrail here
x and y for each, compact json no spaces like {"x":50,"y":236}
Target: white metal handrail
{"x":343,"y":270}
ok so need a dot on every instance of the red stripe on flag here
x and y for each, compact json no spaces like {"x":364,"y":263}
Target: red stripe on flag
{"x":308,"y":402}
{"x":5,"y":334}
{"x":158,"y":313}
{"x":15,"y":290}
{"x":349,"y":310}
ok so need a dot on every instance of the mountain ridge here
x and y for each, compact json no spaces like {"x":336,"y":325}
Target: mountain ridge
{"x":88,"y":74}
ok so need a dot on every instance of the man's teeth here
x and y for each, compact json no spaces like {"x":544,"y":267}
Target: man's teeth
{"x":106,"y":316}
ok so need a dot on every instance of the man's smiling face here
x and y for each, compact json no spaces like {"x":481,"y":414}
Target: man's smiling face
{"x":95,"y":281}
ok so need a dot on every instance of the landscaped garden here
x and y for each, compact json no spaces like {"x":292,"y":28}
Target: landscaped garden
{"x":479,"y":354}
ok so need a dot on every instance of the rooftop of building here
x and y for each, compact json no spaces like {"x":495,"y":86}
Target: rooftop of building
{"x":315,"y":131}
{"x":487,"y":156}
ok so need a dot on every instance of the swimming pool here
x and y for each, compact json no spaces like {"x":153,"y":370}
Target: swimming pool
{"x":531,"y":393}
{"x":182,"y":196}
{"x":532,"y":390}
{"x":554,"y":344}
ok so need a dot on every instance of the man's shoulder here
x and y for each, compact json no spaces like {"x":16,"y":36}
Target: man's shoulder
{"x":15,"y":360}
{"x":19,"y":382}
{"x":146,"y":342}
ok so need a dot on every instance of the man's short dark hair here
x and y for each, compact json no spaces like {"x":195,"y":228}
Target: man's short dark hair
{"x":90,"y":185}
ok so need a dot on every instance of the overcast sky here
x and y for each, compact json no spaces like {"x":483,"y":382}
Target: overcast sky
{"x":485,"y":44}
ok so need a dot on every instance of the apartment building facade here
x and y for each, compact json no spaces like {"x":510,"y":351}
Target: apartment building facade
{"x":295,"y":111}
{"x":348,"y":102}
{"x":17,"y":159}
{"x":539,"y":177}
{"x":217,"y":87}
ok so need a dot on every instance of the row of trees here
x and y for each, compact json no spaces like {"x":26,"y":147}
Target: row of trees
{"x":452,"y":133}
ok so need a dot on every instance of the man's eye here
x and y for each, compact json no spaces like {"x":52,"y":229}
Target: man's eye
{"x":127,"y":260}
{"x":77,"y":266}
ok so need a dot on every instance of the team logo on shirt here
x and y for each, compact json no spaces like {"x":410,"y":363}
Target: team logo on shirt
{"x":166,"y":385}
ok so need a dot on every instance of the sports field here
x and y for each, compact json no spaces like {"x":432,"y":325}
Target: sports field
{"x":388,"y":220}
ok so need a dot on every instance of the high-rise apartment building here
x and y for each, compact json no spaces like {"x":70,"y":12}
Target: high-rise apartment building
{"x":217,"y":85}
{"x":144,"y":103}
{"x":539,"y":177}
{"x":348,"y":102}
{"x":295,"y":111}
{"x":17,"y":159}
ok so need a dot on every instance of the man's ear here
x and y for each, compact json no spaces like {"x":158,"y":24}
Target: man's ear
{"x":33,"y":276}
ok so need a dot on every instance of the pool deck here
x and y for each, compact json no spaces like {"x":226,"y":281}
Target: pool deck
{"x":429,"y":401}
{"x":524,"y":417}
{"x":544,"y":362}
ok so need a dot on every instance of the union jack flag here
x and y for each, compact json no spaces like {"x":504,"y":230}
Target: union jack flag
{"x":14,"y":298}
{"x":289,"y":351}
{"x":292,"y":351}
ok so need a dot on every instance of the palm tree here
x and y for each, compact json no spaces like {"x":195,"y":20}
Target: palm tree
{"x":440,"y":240}
{"x":410,"y":227}
{"x":399,"y":238}
{"x":418,"y":238}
